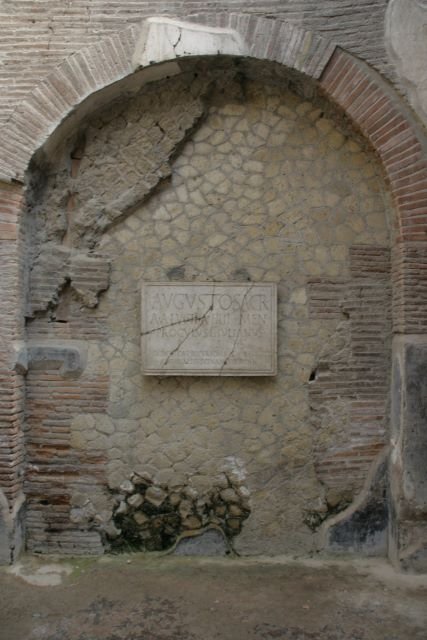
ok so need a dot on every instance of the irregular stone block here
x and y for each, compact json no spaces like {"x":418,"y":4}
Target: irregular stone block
{"x":140,"y":518}
{"x":122,"y":508}
{"x":135,"y":500}
{"x":408,"y":470}
{"x":415,"y":440}
{"x":229,"y":495}
{"x":210,"y":542}
{"x":127,"y":486}
{"x":70,"y":359}
{"x":155,"y":495}
{"x":192,"y":522}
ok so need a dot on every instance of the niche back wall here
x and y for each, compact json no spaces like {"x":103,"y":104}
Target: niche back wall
{"x":213,"y":176}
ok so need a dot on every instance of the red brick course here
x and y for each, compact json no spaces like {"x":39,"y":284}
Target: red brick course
{"x":395,"y":138}
{"x":399,"y":145}
{"x":54,"y":468}
{"x":360,"y":378}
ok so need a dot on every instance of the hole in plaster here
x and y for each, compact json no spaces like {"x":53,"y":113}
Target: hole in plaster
{"x":176,"y":273}
{"x":241,"y":274}
{"x":153,"y":517}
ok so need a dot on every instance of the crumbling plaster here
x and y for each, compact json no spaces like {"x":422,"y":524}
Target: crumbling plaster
{"x":406,"y":43}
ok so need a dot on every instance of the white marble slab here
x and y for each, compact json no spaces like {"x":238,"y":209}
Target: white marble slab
{"x":216,"y":329}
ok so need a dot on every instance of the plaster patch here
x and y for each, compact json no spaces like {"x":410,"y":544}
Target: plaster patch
{"x":48,"y":575}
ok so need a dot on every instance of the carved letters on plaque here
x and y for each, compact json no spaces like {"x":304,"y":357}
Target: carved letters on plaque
{"x":218,"y":328}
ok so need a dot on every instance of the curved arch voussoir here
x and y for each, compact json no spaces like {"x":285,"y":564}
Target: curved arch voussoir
{"x":395,"y":138}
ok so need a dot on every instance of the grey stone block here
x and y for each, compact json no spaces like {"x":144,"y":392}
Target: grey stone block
{"x":210,"y":542}
{"x":415,"y":437}
{"x":68,"y":358}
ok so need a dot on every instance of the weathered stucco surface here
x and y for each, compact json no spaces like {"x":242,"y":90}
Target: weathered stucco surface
{"x":406,"y":43}
{"x":213,"y":176}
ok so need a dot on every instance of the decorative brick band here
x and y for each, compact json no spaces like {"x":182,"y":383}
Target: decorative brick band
{"x":410,"y":288}
{"x":11,"y":434}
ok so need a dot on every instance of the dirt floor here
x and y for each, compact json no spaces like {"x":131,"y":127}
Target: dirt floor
{"x":135,"y":597}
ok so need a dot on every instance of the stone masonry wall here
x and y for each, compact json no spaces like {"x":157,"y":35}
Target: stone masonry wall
{"x":214,"y":176}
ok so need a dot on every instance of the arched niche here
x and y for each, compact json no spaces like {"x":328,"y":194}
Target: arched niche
{"x":102,"y":73}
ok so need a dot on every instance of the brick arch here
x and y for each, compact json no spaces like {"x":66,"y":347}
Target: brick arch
{"x":373,"y":107}
{"x":113,"y":59}
{"x":371,"y":104}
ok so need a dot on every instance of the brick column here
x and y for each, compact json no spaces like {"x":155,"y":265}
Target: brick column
{"x":399,"y":143}
{"x":11,"y":382}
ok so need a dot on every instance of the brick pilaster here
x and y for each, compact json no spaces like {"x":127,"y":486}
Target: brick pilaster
{"x":11,"y":382}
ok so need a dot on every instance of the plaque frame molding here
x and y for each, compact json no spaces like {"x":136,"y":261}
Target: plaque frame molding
{"x":221,"y":371}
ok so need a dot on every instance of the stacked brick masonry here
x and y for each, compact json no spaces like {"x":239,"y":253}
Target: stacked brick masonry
{"x":68,"y":323}
{"x":54,"y":468}
{"x":11,"y":328}
{"x":58,"y":268}
{"x":403,"y":155}
{"x":37,"y":35}
{"x":11,"y":443}
{"x":10,"y":202}
{"x":359,"y":371}
{"x":410,"y":298}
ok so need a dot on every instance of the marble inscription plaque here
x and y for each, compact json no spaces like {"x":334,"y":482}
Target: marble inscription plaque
{"x":216,"y":329}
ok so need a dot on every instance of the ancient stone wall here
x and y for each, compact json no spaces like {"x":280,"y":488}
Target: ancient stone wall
{"x":60,"y":251}
{"x":214,"y":176}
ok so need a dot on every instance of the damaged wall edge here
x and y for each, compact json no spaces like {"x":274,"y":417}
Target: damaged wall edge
{"x":70,"y":360}
{"x":12,"y":529}
{"x":408,"y":470}
{"x":362,"y":527}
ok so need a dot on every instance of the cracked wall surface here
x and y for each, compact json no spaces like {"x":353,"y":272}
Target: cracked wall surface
{"x":214,"y":176}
